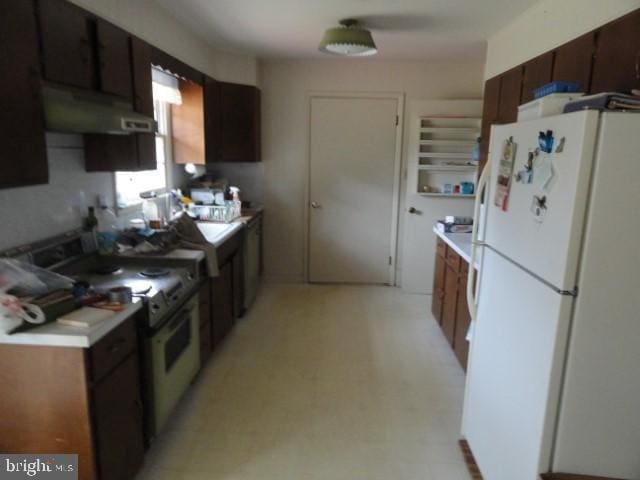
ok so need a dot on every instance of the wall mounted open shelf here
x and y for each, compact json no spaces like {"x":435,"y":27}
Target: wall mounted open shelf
{"x":445,"y":154}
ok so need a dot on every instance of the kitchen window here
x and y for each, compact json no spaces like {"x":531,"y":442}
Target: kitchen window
{"x":131,"y":186}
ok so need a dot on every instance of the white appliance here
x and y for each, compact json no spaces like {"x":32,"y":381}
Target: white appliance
{"x":553,"y":381}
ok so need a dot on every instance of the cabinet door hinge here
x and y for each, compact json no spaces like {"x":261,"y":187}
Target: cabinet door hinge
{"x":397,"y":120}
{"x":390,"y":261}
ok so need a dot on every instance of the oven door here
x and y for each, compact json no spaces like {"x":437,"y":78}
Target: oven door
{"x":174,"y":352}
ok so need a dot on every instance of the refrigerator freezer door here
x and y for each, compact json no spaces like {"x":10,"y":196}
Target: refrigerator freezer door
{"x":548,"y":248}
{"x":599,"y":422}
{"x":515,"y":370}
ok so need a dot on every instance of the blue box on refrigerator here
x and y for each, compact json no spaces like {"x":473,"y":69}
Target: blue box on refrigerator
{"x":556,"y":87}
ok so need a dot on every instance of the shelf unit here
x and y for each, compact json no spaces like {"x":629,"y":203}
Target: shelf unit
{"x":445,"y":154}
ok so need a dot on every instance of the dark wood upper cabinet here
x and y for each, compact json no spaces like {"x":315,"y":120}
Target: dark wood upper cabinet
{"x":212,"y":119}
{"x":127,"y":153}
{"x":188,"y":125}
{"x":114,"y":57}
{"x":110,"y":153}
{"x":537,"y":72}
{"x":142,"y":83}
{"x":143,"y":101}
{"x":617,"y":60}
{"x":510,"y":92}
{"x":573,"y":61}
{"x":239,"y":123}
{"x":66,"y":44}
{"x":489,"y":115}
{"x":23,"y":157}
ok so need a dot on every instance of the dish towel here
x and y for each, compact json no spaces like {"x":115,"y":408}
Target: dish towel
{"x":192,"y":238}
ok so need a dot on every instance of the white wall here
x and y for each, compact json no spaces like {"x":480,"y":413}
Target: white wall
{"x":149,"y":21}
{"x":285,"y":133}
{"x":36,"y":212}
{"x":546,"y":25}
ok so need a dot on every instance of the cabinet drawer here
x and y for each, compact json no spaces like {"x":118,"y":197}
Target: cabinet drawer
{"x":112,"y":349}
{"x":441,"y":247}
{"x":453,"y":259}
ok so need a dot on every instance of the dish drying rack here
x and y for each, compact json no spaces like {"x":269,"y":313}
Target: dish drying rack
{"x":226,"y":213}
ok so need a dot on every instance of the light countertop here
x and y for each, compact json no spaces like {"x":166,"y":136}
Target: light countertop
{"x":460,"y":242}
{"x":52,"y":334}
{"x":218,"y":233}
{"x":184,"y":254}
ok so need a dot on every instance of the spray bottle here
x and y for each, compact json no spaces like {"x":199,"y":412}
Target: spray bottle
{"x":237,"y":203}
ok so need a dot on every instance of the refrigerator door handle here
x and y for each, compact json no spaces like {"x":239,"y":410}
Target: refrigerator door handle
{"x":471,"y":288}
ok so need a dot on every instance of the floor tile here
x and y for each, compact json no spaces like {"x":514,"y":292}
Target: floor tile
{"x":321,"y":382}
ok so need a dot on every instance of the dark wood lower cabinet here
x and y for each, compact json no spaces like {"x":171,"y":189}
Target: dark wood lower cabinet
{"x":238,"y":284}
{"x":222,"y":303}
{"x":450,"y":304}
{"x":76,"y":400}
{"x":449,"y":300}
{"x":438,"y":284}
{"x":463,"y":319}
{"x":205,"y":322}
{"x":119,"y":423}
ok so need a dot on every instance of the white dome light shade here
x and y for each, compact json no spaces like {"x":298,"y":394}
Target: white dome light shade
{"x":348,"y":40}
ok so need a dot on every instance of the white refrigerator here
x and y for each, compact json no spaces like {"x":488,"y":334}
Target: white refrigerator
{"x":553,"y":381}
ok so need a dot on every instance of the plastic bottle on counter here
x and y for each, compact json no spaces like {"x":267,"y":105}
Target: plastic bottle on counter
{"x":237,"y":203}
{"x":107,"y":235}
{"x":150,"y":213}
{"x":90,"y":222}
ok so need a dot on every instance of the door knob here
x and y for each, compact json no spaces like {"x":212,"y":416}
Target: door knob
{"x":414,"y":211}
{"x":315,"y":205}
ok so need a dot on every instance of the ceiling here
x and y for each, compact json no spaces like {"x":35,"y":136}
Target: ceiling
{"x":433,"y":30}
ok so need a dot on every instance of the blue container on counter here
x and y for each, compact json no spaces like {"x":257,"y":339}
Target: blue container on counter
{"x":556,"y":87}
{"x":466,"y":188}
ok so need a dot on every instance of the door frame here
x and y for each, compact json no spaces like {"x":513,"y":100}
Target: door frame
{"x":397,"y":169}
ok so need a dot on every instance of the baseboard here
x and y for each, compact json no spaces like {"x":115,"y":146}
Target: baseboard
{"x":571,"y":476}
{"x":283,"y":279}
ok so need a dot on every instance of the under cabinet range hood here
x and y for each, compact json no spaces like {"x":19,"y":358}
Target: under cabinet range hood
{"x":69,"y":111}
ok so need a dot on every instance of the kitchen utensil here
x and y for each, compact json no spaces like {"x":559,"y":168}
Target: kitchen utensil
{"x":120,"y":295}
{"x":85,"y":317}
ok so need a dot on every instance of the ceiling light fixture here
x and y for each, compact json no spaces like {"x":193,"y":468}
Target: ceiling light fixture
{"x":349,"y":40}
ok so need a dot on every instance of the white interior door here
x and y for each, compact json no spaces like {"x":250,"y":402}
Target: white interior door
{"x":352,"y":164}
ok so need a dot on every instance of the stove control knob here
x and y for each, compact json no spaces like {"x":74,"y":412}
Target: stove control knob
{"x":155,"y":307}
{"x":190,"y":276}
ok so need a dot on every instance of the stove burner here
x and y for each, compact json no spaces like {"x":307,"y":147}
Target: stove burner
{"x":107,"y":270}
{"x":154,"y":272}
